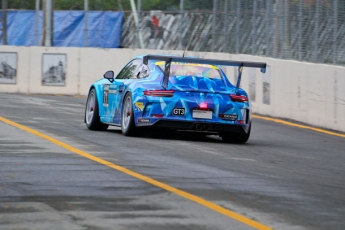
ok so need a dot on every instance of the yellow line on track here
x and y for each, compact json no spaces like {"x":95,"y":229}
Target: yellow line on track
{"x":299,"y":126}
{"x":149,"y":180}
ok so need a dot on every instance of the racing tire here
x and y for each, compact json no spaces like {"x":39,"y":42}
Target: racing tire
{"x":236,"y":138}
{"x":127,"y":117}
{"x":92,"y":118}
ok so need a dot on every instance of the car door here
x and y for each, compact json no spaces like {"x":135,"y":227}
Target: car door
{"x":117,"y":90}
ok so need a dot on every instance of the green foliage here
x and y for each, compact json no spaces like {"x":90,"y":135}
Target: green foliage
{"x":21,"y":4}
{"x":114,"y":5}
{"x":161,"y":5}
{"x":68,"y":5}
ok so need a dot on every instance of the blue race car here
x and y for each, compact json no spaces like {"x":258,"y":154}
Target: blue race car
{"x":175,"y":93}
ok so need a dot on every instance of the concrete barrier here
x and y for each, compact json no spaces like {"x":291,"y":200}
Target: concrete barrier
{"x":305,"y":92}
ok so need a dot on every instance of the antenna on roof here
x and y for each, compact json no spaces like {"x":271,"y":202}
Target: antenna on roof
{"x":190,"y":39}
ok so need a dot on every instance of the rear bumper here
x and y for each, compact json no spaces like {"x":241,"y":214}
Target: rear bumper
{"x":198,"y":126}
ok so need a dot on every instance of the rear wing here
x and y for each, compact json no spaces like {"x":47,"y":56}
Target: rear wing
{"x":169,"y":59}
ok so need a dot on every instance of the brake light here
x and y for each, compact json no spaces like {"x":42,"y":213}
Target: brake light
{"x":159,"y":93}
{"x":203,"y":105}
{"x":238,"y":98}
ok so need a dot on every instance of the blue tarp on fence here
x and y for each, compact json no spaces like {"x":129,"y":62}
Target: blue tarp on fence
{"x":104,"y":28}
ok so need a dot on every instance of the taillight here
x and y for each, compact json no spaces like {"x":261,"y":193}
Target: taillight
{"x":159,"y":93}
{"x":238,"y":98}
{"x":157,"y":115}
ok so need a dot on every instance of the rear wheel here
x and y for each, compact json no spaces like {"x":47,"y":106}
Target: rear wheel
{"x":92,"y":119}
{"x":127,"y":117}
{"x":236,"y":138}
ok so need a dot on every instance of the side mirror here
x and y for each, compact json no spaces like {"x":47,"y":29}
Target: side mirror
{"x":109,"y":75}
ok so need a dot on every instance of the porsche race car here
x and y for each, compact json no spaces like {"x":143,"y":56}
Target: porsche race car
{"x":175,"y":93}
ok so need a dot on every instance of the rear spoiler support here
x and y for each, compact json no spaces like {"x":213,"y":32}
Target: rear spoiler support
{"x":169,"y":59}
{"x":239,"y":76}
{"x":165,"y":80}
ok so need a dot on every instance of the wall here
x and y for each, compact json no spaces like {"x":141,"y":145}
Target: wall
{"x":305,"y":92}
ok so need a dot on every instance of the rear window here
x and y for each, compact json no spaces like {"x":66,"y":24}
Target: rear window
{"x":191,"y":76}
{"x":191,"y":69}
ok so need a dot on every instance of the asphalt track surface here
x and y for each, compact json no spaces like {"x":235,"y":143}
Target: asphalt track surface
{"x":56,"y":174}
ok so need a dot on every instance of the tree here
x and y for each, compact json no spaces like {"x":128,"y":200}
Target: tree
{"x":114,"y":5}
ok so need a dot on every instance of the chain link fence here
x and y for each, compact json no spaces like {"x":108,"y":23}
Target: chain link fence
{"x":304,"y":30}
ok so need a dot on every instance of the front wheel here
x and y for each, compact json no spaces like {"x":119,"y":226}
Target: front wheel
{"x":127,"y":117}
{"x":236,"y":138}
{"x":92,"y":113}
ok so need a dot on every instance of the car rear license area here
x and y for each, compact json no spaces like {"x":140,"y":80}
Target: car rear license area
{"x":197,"y":106}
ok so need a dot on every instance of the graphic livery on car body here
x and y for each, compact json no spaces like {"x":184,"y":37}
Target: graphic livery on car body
{"x":178,"y":93}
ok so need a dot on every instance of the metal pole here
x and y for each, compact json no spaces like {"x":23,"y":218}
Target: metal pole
{"x":316,"y":31}
{"x":214,"y":25}
{"x":37,"y":7}
{"x":238,"y":13}
{"x":254,"y":28}
{"x":138,"y":29}
{"x":4,"y":22}
{"x":225,"y":28}
{"x":86,"y":22}
{"x":181,"y":24}
{"x":136,"y":20}
{"x":275,"y":29}
{"x":286,"y":29}
{"x":139,"y":6}
{"x":335,"y":30}
{"x":50,"y":19}
{"x":48,"y":22}
{"x":268,"y":28}
{"x":281,"y":27}
{"x":300,"y":23}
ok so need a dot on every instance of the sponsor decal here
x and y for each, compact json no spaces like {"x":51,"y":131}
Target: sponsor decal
{"x":105,"y":95}
{"x":113,"y":89}
{"x":144,"y":120}
{"x":231,"y":117}
{"x":139,"y":106}
{"x":178,"y":111}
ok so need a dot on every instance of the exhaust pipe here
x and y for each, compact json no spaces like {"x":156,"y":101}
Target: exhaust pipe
{"x":201,"y":127}
{"x":206,"y":127}
{"x":198,"y":127}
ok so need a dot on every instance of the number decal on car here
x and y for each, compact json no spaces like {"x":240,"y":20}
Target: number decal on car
{"x":105,"y":95}
{"x":178,"y":111}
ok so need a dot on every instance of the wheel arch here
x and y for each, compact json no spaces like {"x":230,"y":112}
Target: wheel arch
{"x":94,"y":123}
{"x":87,"y":98}
{"x":130,"y":129}
{"x":123,"y":99}
{"x":99,"y":97}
